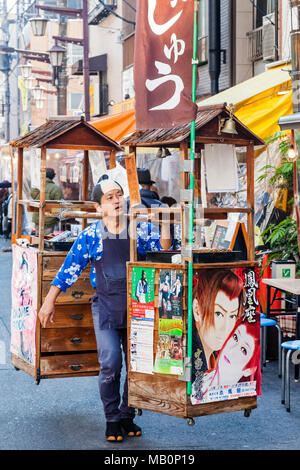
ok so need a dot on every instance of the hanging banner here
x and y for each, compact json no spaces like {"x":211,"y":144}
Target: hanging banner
{"x":226,"y":335}
{"x":163,"y":64}
{"x":24,"y":303}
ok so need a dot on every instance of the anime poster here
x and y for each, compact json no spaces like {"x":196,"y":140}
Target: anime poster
{"x":169,"y":353}
{"x":24,"y":303}
{"x":226,"y":333}
{"x":170,"y":293}
{"x":142,"y":293}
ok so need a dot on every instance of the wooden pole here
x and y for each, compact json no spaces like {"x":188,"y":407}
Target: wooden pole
{"x":250,"y":203}
{"x":42,"y":197}
{"x":85,"y":187}
{"x":19,"y":192}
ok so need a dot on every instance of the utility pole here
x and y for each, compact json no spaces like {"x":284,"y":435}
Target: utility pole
{"x":62,"y":77}
{"x":5,"y":68}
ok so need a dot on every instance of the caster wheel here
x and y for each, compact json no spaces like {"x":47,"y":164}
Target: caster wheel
{"x":190,"y":421}
{"x":138,"y":412}
{"x":37,"y":381}
{"x":247,"y":413}
{"x":16,"y":368}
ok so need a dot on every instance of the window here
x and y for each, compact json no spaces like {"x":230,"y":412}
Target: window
{"x":75,"y":101}
{"x":75,"y":53}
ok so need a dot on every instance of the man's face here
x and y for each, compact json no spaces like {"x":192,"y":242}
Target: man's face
{"x":113,"y":203}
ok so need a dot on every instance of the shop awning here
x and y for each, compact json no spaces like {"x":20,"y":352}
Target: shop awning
{"x":260,"y":101}
{"x":116,"y":126}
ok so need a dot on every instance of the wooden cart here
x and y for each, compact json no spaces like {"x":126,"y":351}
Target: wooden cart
{"x":66,"y":347}
{"x":168,"y":393}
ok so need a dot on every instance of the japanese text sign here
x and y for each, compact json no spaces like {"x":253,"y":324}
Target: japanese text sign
{"x":163,"y":64}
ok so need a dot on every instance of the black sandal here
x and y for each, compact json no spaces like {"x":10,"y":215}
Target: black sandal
{"x":114,"y":432}
{"x":130,"y":428}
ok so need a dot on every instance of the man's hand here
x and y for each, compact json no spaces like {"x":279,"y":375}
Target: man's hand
{"x":47,"y":310}
{"x":46,"y":313}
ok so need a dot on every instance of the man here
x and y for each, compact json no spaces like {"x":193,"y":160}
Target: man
{"x":53,"y":193}
{"x":106,"y":245}
{"x":148,"y":197}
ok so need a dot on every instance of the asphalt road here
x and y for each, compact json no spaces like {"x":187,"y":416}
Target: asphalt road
{"x":66,"y":414}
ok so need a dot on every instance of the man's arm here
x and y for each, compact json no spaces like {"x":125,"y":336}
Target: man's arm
{"x":47,"y":310}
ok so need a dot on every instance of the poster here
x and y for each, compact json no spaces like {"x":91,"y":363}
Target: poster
{"x":170,"y":293}
{"x":169,"y":353}
{"x":141,"y":347}
{"x":226,"y":333}
{"x":24,"y":303}
{"x":142,"y":324}
{"x":142,"y":293}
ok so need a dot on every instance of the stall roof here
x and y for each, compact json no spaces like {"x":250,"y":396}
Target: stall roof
{"x":66,"y":133}
{"x":206,"y":128}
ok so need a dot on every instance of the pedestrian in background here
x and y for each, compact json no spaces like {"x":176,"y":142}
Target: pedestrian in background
{"x":53,"y":193}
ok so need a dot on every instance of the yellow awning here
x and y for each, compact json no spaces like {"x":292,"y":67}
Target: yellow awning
{"x":260,"y":101}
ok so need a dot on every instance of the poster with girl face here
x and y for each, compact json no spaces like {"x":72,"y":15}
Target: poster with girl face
{"x":226,"y":332}
{"x":24,"y":303}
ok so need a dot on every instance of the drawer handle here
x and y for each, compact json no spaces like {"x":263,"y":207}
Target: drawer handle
{"x":75,"y":367}
{"x":78,"y":316}
{"x":76,"y":340}
{"x":77,"y":295}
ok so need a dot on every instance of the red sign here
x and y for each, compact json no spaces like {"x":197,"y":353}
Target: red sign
{"x":163,"y":64}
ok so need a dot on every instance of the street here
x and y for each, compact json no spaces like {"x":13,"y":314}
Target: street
{"x":63,"y":414}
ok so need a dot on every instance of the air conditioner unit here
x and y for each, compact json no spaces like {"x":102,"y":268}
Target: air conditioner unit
{"x":268,"y":38}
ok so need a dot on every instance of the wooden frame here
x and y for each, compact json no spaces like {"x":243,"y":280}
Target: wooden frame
{"x":163,"y":393}
{"x":66,"y":348}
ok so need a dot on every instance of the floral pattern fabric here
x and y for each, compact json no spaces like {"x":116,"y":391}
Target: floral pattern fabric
{"x":89,"y":247}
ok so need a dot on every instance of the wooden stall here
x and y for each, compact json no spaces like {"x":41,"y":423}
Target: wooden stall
{"x":66,"y":347}
{"x":167,"y":392}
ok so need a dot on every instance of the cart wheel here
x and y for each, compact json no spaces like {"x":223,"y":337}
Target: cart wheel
{"x":37,"y":381}
{"x":190,"y":421}
{"x":16,"y":368}
{"x":247,"y":413}
{"x":138,"y":412}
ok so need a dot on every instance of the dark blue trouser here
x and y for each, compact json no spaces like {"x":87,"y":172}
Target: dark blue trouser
{"x":110,"y":344}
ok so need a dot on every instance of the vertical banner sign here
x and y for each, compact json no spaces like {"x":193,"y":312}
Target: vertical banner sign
{"x":163,"y":64}
{"x":24,"y":304}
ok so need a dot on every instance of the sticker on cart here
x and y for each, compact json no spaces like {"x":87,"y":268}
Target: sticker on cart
{"x":142,"y":293}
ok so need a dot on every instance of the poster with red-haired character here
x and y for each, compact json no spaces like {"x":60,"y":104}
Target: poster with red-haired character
{"x":226,"y":335}
{"x":24,"y":303}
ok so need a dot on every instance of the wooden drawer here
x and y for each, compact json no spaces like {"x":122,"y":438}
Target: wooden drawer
{"x":72,"y":315}
{"x":52,"y":264}
{"x":69,"y":364}
{"x":81,"y":292}
{"x":68,"y":339}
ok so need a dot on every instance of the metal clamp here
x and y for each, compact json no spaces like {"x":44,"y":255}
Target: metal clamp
{"x":187,"y":166}
{"x":187,"y":195}
{"x":187,"y":370}
{"x":187,"y":251}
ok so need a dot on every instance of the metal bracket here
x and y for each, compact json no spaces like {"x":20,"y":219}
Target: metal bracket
{"x":187,"y":251}
{"x":195,"y":61}
{"x":187,"y":368}
{"x":187,"y":195}
{"x":187,"y":166}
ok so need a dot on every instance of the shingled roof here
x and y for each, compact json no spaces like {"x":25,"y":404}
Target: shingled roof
{"x":176,"y":135}
{"x":54,"y":130}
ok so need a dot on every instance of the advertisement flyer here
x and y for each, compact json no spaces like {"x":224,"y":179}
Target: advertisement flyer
{"x":170,"y":293}
{"x":142,"y":293}
{"x":24,"y":306}
{"x":226,"y":335}
{"x":141,"y":346}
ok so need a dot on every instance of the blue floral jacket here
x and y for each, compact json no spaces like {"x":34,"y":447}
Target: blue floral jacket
{"x":89,"y":247}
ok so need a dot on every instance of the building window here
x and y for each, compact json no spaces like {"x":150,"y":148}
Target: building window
{"x":75,"y":101}
{"x":74,"y":54}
